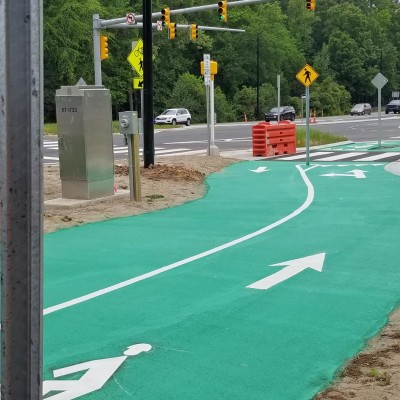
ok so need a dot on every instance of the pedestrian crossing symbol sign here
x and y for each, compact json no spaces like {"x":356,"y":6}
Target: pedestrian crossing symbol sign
{"x":307,"y":75}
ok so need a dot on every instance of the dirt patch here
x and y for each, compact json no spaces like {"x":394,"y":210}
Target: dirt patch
{"x":374,"y":374}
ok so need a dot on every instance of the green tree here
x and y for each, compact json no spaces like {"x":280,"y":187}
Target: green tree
{"x":189,"y":92}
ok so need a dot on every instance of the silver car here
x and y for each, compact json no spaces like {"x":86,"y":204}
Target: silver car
{"x":174,"y":116}
{"x":361,"y":109}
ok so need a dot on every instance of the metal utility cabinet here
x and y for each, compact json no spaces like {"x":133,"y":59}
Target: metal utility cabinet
{"x":85,"y":141}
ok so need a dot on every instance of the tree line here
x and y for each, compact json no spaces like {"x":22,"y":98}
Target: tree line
{"x":346,"y":42}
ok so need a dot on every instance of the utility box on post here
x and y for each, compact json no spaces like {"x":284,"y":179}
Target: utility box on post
{"x":85,"y":141}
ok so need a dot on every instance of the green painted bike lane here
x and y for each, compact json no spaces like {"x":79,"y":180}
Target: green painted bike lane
{"x":211,"y":335}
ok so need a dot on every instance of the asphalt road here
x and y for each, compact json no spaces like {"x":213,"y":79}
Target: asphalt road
{"x":237,"y":136}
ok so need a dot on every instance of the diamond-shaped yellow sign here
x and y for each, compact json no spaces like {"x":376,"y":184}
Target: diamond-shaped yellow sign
{"x":307,"y":75}
{"x":135,"y":57}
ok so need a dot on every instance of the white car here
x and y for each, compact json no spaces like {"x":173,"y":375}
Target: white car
{"x":174,"y":116}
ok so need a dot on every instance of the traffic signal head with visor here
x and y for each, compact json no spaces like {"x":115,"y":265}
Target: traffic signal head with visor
{"x":194,"y":32}
{"x":310,"y":5}
{"x":172,"y":31}
{"x":222,"y":11}
{"x":165,"y":16}
{"x":103,"y":47}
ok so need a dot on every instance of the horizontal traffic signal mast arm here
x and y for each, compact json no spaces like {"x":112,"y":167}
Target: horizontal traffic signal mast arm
{"x":116,"y":22}
{"x":182,"y":26}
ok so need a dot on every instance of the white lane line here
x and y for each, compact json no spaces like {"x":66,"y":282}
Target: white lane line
{"x":50,"y":158}
{"x":300,"y":156}
{"x":379,"y":156}
{"x":186,"y":153}
{"x":101,"y":292}
{"x":340,"y":156}
{"x":170,"y":151}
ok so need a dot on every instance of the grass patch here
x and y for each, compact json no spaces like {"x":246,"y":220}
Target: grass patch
{"x":167,"y":126}
{"x":50,"y":129}
{"x":317,"y":137}
{"x":150,"y":198}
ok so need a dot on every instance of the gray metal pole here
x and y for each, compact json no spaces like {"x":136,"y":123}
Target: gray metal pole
{"x":96,"y":50}
{"x":214,"y":150}
{"x":278,"y":84}
{"x":138,"y":18}
{"x":258,"y":77}
{"x":21,"y":188}
{"x":307,"y":125}
{"x":208,"y":119}
{"x":379,"y":117}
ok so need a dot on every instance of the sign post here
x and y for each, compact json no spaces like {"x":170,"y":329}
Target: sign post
{"x":306,"y":76}
{"x":379,"y":82}
{"x":209,"y":83}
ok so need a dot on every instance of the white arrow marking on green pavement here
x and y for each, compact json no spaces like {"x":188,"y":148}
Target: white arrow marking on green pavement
{"x":355,"y":173}
{"x":259,"y":169}
{"x":294,"y":267}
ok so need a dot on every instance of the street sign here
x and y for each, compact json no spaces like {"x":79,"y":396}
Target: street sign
{"x":138,"y":83}
{"x":307,"y":75}
{"x":159,"y":25}
{"x":207,"y":65}
{"x":135,"y":57}
{"x":207,"y":80}
{"x":379,"y":81}
{"x":130,"y":19}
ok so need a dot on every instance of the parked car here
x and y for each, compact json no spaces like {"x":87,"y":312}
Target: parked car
{"x":286,"y":112}
{"x":174,"y":116}
{"x":393,"y":106}
{"x":361,"y":109}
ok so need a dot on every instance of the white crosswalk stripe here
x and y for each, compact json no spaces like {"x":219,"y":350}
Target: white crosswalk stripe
{"x":53,"y":145}
{"x":378,"y":156}
{"x":318,"y":156}
{"x":340,"y":156}
{"x":300,"y":156}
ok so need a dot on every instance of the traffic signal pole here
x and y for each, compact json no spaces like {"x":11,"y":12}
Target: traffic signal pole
{"x":148,"y":117}
{"x":96,"y":50}
{"x":147,"y":25}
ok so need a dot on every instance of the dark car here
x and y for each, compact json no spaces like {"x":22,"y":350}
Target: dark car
{"x":285,"y":112}
{"x":393,"y":106}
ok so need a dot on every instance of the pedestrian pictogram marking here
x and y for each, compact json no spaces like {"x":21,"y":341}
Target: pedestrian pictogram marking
{"x":135,"y":57}
{"x":97,"y":373}
{"x":307,"y":75}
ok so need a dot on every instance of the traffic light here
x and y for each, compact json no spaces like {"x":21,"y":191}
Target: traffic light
{"x":310,"y":5}
{"x":103,"y":47}
{"x":222,"y":12}
{"x":194,"y":32}
{"x":172,"y":31}
{"x":165,"y":17}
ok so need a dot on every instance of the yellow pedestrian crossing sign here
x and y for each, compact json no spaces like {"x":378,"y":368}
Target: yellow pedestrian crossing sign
{"x":307,"y":75}
{"x":135,"y":57}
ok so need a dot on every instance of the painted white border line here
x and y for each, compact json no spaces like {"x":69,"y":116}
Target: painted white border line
{"x":101,"y":292}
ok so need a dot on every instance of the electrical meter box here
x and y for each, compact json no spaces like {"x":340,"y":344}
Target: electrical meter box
{"x":85,"y":141}
{"x":128,"y":122}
